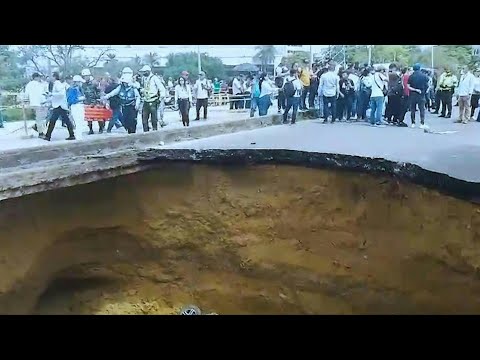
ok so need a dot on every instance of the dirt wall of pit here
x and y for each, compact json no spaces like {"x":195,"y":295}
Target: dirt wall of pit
{"x":242,"y":239}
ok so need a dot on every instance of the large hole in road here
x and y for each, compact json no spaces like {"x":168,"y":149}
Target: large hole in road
{"x":240,"y":240}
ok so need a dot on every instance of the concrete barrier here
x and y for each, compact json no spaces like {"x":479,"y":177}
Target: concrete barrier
{"x":26,"y":156}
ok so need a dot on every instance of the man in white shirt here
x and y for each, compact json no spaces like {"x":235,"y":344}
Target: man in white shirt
{"x":465,"y":91}
{"x":35,"y":95}
{"x":292,"y":89}
{"x":379,"y":82}
{"x":60,"y":108}
{"x":202,"y":90}
{"x":281,"y":72}
{"x":356,"y":86}
{"x":330,"y":88}
{"x":237,"y":91}
{"x":153,"y":93}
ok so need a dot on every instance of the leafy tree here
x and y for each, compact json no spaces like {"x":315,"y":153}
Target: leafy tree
{"x":112,"y":65}
{"x":296,"y":57}
{"x":151,"y":59}
{"x":265,"y":55}
{"x":176,"y":63}
{"x":11,"y":74}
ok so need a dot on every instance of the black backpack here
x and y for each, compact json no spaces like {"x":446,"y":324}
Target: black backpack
{"x":289,"y":89}
{"x":279,"y":82}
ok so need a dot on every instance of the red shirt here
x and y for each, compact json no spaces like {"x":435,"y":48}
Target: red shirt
{"x":406,"y":90}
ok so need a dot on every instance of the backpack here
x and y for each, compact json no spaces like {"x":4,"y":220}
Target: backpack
{"x":289,"y":89}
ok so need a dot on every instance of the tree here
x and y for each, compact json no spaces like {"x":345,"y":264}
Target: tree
{"x":265,"y":55}
{"x":11,"y":74}
{"x":296,"y":57}
{"x":67,"y":58}
{"x":151,"y":59}
{"x":176,"y":63}
{"x":112,"y":65}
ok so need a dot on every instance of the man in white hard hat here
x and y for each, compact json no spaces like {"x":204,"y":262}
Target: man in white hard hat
{"x":202,"y":89}
{"x":92,"y":97}
{"x":130,"y":102}
{"x":153,"y":93}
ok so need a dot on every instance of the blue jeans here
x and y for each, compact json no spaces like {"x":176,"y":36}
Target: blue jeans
{"x":1,"y":120}
{"x":376,"y":106}
{"x":263,"y":104}
{"x":253,"y":106}
{"x":115,"y":120}
{"x":292,"y":102}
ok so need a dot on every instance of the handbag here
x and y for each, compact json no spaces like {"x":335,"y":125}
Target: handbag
{"x":384,"y":89}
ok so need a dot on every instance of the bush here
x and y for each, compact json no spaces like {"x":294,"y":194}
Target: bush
{"x":16,"y":114}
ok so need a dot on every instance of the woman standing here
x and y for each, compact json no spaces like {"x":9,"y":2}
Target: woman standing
{"x":183,"y":97}
{"x":266,"y":91}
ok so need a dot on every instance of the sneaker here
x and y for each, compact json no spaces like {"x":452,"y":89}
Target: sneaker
{"x":109,"y":131}
{"x":465,"y":122}
{"x":448,"y":116}
{"x":90,"y":132}
{"x":402,"y":124}
{"x":70,"y":138}
{"x":34,"y":127}
{"x":423,"y":126}
{"x":41,"y":136}
{"x":197,"y":119}
{"x":458,"y":121}
{"x":441,"y":116}
{"x":46,"y":138}
{"x":412,"y":126}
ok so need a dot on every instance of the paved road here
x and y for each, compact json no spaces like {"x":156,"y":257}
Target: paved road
{"x":13,"y":135}
{"x":456,"y":153}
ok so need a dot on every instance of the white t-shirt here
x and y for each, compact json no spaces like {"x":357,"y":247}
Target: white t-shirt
{"x":59,"y":95}
{"x":237,"y":87}
{"x":297,"y":84}
{"x":476,"y":85}
{"x":202,"y":91}
{"x":329,"y":84}
{"x":356,"y":81}
{"x":34,"y":93}
{"x":267,"y":88}
{"x":378,"y":82}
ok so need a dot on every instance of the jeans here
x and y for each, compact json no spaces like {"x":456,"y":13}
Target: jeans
{"x":417,"y":99}
{"x":1,"y":120}
{"x":376,"y":104}
{"x":329,"y":107}
{"x":355,"y":103}
{"x":363,"y":106}
{"x":184,"y":106}
{"x":305,"y":91}
{"x":201,"y":103}
{"x":344,"y":106}
{"x":311,"y":96}
{"x":253,"y":106}
{"x":263,"y":104}
{"x":115,"y":120}
{"x":292,"y":102}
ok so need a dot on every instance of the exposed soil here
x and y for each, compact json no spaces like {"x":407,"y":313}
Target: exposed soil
{"x":240,"y":240}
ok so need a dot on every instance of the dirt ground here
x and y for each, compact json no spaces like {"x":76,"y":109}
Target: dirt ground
{"x":240,"y":240}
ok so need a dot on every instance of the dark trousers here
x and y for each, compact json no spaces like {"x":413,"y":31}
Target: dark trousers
{"x":237,"y":102}
{"x":446,"y":98}
{"x":101,"y":125}
{"x":59,"y":113}
{"x":329,"y":107}
{"x":281,"y":100}
{"x":292,"y":102}
{"x":201,"y":103}
{"x":311,"y":95}
{"x":355,"y":104}
{"x":263,"y":104}
{"x":344,"y":106}
{"x":417,"y":99}
{"x":184,"y":106}
{"x":364,"y":100}
{"x":305,"y":91}
{"x":405,"y":105}
{"x":474,"y":103}
{"x":150,"y":109}
{"x":129,"y":118}
{"x":394,"y":108}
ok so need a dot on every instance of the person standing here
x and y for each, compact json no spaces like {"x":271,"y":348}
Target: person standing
{"x":183,"y":97}
{"x":130,"y":101}
{"x":356,"y":97}
{"x":35,"y":96}
{"x":465,"y":92}
{"x":75,"y":99}
{"x":280,"y":73}
{"x":445,"y":88}
{"x":153,"y":92}
{"x":330,"y":88}
{"x":255,"y":95}
{"x":305,"y":78}
{"x":115,"y":105}
{"x":476,"y":92}
{"x":345,"y":99}
{"x":365,"y":89}
{"x":92,"y":96}
{"x":265,"y":99}
{"x":237,"y":91}
{"x":395,"y":92}
{"x":379,"y":84}
{"x":60,"y":108}
{"x":293,"y":90}
{"x":202,"y":89}
{"x":418,"y":86}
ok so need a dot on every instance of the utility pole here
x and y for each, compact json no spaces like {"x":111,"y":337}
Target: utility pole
{"x":199,"y":59}
{"x":369,"y":55}
{"x":311,"y":56}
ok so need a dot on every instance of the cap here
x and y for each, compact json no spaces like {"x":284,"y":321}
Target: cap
{"x":86,"y":72}
{"x":416,"y":67}
{"x":145,"y":68}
